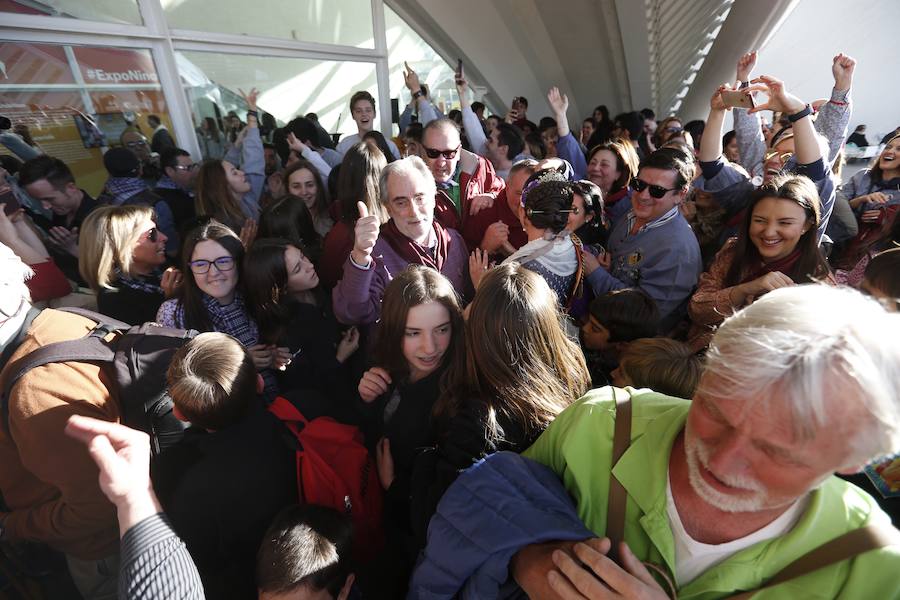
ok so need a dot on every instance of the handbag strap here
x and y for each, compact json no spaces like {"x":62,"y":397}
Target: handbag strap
{"x":843,"y":547}
{"x":615,"y":511}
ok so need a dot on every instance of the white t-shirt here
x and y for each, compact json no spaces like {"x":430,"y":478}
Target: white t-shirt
{"x":350,"y":140}
{"x":693,"y":558}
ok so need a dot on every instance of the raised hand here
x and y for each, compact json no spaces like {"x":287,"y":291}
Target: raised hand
{"x":745,"y":65}
{"x":559,"y":102}
{"x":716,"y":102}
{"x":365,"y":234}
{"x":779,"y":99}
{"x":842,"y":67}
{"x":250,"y":97}
{"x":411,"y":79}
{"x":374,"y":383}
{"x":295,"y":144}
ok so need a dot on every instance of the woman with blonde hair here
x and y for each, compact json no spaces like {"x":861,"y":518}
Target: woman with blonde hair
{"x":521,"y":370}
{"x":121,"y":253}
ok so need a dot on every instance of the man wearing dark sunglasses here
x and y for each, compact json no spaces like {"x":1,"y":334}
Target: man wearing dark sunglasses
{"x":466,"y":182}
{"x":653,"y":247}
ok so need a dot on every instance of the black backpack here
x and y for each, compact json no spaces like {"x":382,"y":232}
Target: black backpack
{"x":136,"y":360}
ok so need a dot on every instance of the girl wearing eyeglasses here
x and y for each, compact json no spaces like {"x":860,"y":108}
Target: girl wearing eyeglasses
{"x":209,"y":298}
{"x":121,"y":255}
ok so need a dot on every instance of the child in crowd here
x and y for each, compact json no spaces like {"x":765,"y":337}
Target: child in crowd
{"x":419,"y":337}
{"x":305,"y":555}
{"x":222,"y":484}
{"x":661,"y":364}
{"x":520,"y":371}
{"x":616,"y":318}
{"x":294,"y":315}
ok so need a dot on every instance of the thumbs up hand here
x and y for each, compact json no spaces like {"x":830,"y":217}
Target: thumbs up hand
{"x":365,"y":235}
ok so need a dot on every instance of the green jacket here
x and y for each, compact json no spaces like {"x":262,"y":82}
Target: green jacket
{"x":578,"y":445}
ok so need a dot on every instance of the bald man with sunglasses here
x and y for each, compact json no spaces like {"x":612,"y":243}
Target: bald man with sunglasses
{"x":466,"y":182}
{"x":653,"y":247}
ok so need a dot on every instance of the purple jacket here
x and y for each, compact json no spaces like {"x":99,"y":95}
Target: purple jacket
{"x":357,"y":296}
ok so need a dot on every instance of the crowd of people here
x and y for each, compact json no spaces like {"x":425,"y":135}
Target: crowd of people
{"x":478,"y":305}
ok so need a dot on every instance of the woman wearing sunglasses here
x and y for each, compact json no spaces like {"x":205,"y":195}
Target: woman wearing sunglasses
{"x":209,"y":298}
{"x":121,"y":254}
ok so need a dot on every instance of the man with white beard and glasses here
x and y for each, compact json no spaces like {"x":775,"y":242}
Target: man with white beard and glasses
{"x":724,"y":492}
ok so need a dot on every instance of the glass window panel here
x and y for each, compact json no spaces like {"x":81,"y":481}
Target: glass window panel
{"x":288,"y":87}
{"x":109,"y":11}
{"x":77,"y":101}
{"x":344,"y":22}
{"x":406,"y":45}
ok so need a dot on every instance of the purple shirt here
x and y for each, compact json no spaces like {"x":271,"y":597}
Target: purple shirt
{"x":357,"y":297}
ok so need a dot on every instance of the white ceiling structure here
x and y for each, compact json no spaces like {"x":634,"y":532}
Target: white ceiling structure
{"x":661,"y":54}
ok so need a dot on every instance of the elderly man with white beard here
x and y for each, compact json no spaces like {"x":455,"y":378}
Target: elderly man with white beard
{"x":727,"y":490}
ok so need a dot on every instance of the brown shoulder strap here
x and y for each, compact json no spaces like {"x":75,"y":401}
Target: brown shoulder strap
{"x":843,"y":547}
{"x":615,"y":510}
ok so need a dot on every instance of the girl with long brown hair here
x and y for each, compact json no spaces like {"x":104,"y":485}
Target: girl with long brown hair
{"x":520,"y":371}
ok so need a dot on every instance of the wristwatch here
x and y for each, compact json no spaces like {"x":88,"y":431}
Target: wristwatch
{"x":807,"y":110}
{"x":418,"y":93}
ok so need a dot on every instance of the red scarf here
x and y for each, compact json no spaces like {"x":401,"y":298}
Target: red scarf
{"x":615,"y":197}
{"x":415,"y":253}
{"x":785,"y":265}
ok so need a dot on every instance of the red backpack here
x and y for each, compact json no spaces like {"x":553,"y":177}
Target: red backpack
{"x":335,"y":469}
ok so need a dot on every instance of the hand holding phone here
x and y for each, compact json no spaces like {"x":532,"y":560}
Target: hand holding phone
{"x":459,"y":69}
{"x":737,"y":99}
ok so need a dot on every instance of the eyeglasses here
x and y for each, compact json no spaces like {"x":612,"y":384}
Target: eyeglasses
{"x":674,"y":129}
{"x":447,"y":154}
{"x":784,"y":156}
{"x":223,"y":263}
{"x":656,"y":191}
{"x":189,"y":167}
{"x":136,"y":144}
{"x":153,"y":235}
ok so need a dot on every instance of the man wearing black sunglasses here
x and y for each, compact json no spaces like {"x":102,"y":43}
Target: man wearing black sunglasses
{"x":653,"y":247}
{"x":466,"y":182}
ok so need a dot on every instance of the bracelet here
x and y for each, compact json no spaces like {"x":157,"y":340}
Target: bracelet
{"x":807,"y":110}
{"x":253,"y":113}
{"x":418,"y":93}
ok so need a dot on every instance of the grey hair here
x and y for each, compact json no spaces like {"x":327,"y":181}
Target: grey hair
{"x":406,"y":167}
{"x":830,"y":353}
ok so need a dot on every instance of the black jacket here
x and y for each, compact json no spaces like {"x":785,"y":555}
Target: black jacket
{"x":129,"y":305}
{"x":221,"y":491}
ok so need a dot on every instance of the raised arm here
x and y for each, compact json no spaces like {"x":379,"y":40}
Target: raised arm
{"x":747,"y":126}
{"x":253,"y":158}
{"x":806,"y":148}
{"x":427,"y":112}
{"x":711,"y":144}
{"x":471,"y":124}
{"x":834,"y":115}
{"x":567,"y":147}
